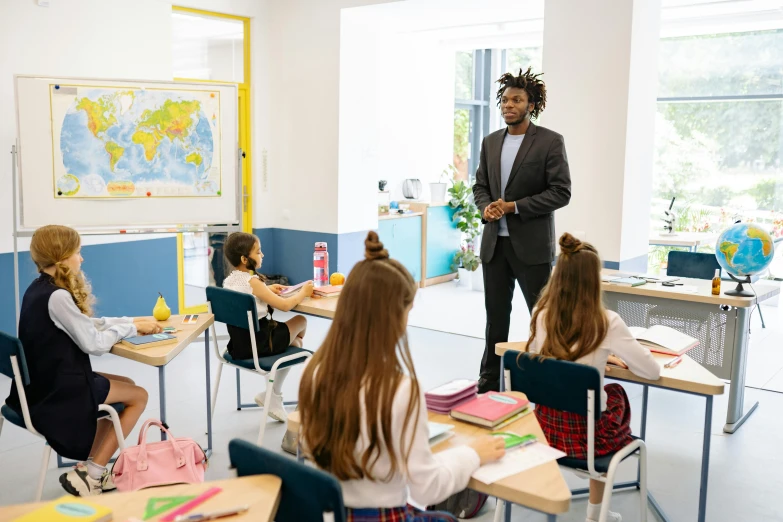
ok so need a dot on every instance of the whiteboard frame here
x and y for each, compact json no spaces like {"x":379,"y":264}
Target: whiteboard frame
{"x":21,"y":231}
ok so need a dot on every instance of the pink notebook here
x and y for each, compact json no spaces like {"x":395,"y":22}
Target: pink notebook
{"x":451,"y":389}
{"x":489,"y":409}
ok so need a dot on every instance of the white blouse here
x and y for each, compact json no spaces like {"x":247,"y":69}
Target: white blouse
{"x":239,"y":281}
{"x":620,"y":342}
{"x":429,"y":479}
{"x":95,"y":336}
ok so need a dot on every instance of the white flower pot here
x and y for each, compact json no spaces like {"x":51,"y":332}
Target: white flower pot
{"x":477,"y":277}
{"x":437,"y":192}
{"x":465,"y":278}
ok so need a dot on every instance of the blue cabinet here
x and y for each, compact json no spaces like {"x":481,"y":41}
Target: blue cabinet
{"x":402,"y":238}
{"x":443,"y":241}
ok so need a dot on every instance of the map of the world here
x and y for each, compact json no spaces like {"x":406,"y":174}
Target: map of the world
{"x":116,"y":142}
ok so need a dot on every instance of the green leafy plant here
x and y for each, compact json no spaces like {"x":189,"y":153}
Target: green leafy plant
{"x":467,"y":216}
{"x":466,"y":258}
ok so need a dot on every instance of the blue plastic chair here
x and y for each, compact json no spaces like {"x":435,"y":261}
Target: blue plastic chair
{"x":307,"y":493}
{"x":563,"y":385}
{"x":13,"y":364}
{"x":239,"y":309}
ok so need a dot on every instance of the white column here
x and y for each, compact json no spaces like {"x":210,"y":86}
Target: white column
{"x":600,"y":65}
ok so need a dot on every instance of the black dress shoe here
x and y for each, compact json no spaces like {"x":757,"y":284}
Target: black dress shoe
{"x":485,"y":385}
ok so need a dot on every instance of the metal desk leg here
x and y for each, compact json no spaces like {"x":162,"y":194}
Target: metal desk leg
{"x":735,"y":416}
{"x":643,"y":430}
{"x":209,"y":392}
{"x":551,"y":518}
{"x":502,"y":376}
{"x":508,"y":505}
{"x":162,"y":391}
{"x":705,"y":460}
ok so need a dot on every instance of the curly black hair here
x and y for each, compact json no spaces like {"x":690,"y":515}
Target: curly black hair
{"x":533,"y":86}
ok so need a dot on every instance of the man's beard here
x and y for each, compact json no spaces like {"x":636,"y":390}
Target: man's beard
{"x":520,"y":120}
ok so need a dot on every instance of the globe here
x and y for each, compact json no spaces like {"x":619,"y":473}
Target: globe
{"x":743,"y":250}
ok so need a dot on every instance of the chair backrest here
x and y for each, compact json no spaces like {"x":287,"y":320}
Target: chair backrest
{"x":9,"y":347}
{"x":307,"y":493}
{"x":561,"y":385}
{"x":231,"y":307}
{"x":695,"y":265}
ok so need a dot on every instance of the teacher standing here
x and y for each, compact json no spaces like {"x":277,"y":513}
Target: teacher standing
{"x":521,"y":180}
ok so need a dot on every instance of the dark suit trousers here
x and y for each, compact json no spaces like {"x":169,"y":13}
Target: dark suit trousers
{"x":499,"y":275}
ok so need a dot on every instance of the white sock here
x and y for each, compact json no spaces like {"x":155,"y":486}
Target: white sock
{"x":95,"y":471}
{"x":277,"y":387}
{"x":593,"y":510}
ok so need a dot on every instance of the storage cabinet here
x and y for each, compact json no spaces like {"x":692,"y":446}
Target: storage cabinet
{"x":402,"y":238}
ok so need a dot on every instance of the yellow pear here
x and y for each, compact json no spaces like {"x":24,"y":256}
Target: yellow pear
{"x":161,"y":312}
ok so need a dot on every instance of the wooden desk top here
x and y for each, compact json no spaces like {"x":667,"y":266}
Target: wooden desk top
{"x":162,"y":355}
{"x":542,"y":488}
{"x":687,"y":376}
{"x":260,"y":492}
{"x":321,"y":307}
{"x":682,"y":239}
{"x":703,"y":292}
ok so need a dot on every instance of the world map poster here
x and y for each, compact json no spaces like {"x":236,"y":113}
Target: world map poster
{"x":113,"y":142}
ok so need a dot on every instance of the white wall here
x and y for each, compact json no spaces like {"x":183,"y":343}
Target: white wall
{"x":101,"y":39}
{"x":396,"y":113}
{"x":603,"y":108}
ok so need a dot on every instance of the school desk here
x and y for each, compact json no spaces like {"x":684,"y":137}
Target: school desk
{"x":318,"y":306}
{"x":721,"y":324}
{"x":260,"y":492}
{"x":687,"y":377}
{"x":690,"y":240}
{"x":542,"y":488}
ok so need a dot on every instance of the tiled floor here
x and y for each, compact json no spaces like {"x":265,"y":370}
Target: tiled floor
{"x":745,"y":478}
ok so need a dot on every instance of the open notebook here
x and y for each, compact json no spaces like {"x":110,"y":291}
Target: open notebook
{"x":663,"y":339}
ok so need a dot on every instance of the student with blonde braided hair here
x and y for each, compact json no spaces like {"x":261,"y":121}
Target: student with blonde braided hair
{"x":58,"y":335}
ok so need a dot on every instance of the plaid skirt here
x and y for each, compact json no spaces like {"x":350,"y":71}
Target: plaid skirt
{"x":568,"y":431}
{"x":398,"y":514}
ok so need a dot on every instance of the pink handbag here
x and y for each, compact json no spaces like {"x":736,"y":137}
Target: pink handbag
{"x":173,"y":461}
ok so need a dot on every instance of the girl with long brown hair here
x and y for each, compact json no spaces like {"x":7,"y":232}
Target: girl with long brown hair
{"x":58,"y":335}
{"x":570,"y":323}
{"x":363,"y":413}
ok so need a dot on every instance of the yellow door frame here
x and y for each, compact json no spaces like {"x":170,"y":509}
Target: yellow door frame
{"x":244,"y":113}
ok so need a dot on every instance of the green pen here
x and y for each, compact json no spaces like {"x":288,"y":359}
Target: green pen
{"x":513,"y":440}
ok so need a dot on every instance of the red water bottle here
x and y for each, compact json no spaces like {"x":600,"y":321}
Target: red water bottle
{"x":320,"y":265}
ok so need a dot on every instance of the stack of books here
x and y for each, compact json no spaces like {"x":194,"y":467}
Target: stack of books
{"x":328,"y":291}
{"x":446,"y":397}
{"x":491,"y":409}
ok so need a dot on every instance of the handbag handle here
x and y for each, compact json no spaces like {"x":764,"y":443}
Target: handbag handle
{"x":141,"y":464}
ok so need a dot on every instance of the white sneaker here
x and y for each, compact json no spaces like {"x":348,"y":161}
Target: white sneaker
{"x":611,"y":517}
{"x":107,"y":481}
{"x":260,"y":398}
{"x":276,"y":408}
{"x":77,"y":482}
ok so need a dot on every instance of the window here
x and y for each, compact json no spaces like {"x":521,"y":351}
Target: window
{"x":718,"y":134}
{"x":471,"y":109}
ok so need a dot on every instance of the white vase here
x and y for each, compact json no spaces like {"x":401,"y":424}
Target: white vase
{"x":465,"y":278}
{"x":437,"y":192}
{"x":477,"y":279}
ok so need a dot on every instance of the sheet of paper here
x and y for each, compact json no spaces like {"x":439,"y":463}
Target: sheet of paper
{"x":517,"y":461}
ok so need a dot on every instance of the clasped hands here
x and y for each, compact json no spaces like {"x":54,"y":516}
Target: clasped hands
{"x":498,"y":209}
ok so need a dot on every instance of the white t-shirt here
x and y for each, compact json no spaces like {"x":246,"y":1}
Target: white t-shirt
{"x":239,"y":281}
{"x":620,"y":342}
{"x":430,"y":478}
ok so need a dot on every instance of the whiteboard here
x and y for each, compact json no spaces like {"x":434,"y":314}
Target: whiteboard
{"x":141,"y":183}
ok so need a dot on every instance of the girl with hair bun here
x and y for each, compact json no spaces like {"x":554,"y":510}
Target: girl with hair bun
{"x":570,"y":323}
{"x":363,"y":414}
{"x":59,"y":334}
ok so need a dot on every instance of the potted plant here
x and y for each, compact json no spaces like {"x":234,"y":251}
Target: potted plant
{"x":438,"y":190}
{"x":468,"y":220}
{"x":466,"y":262}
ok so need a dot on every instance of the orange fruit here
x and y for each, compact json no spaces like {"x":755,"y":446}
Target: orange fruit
{"x":337,"y":279}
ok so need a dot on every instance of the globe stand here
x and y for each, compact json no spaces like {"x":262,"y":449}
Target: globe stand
{"x":740,"y":290}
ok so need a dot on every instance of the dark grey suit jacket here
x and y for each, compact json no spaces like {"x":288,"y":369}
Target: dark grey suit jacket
{"x":540,"y":183}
